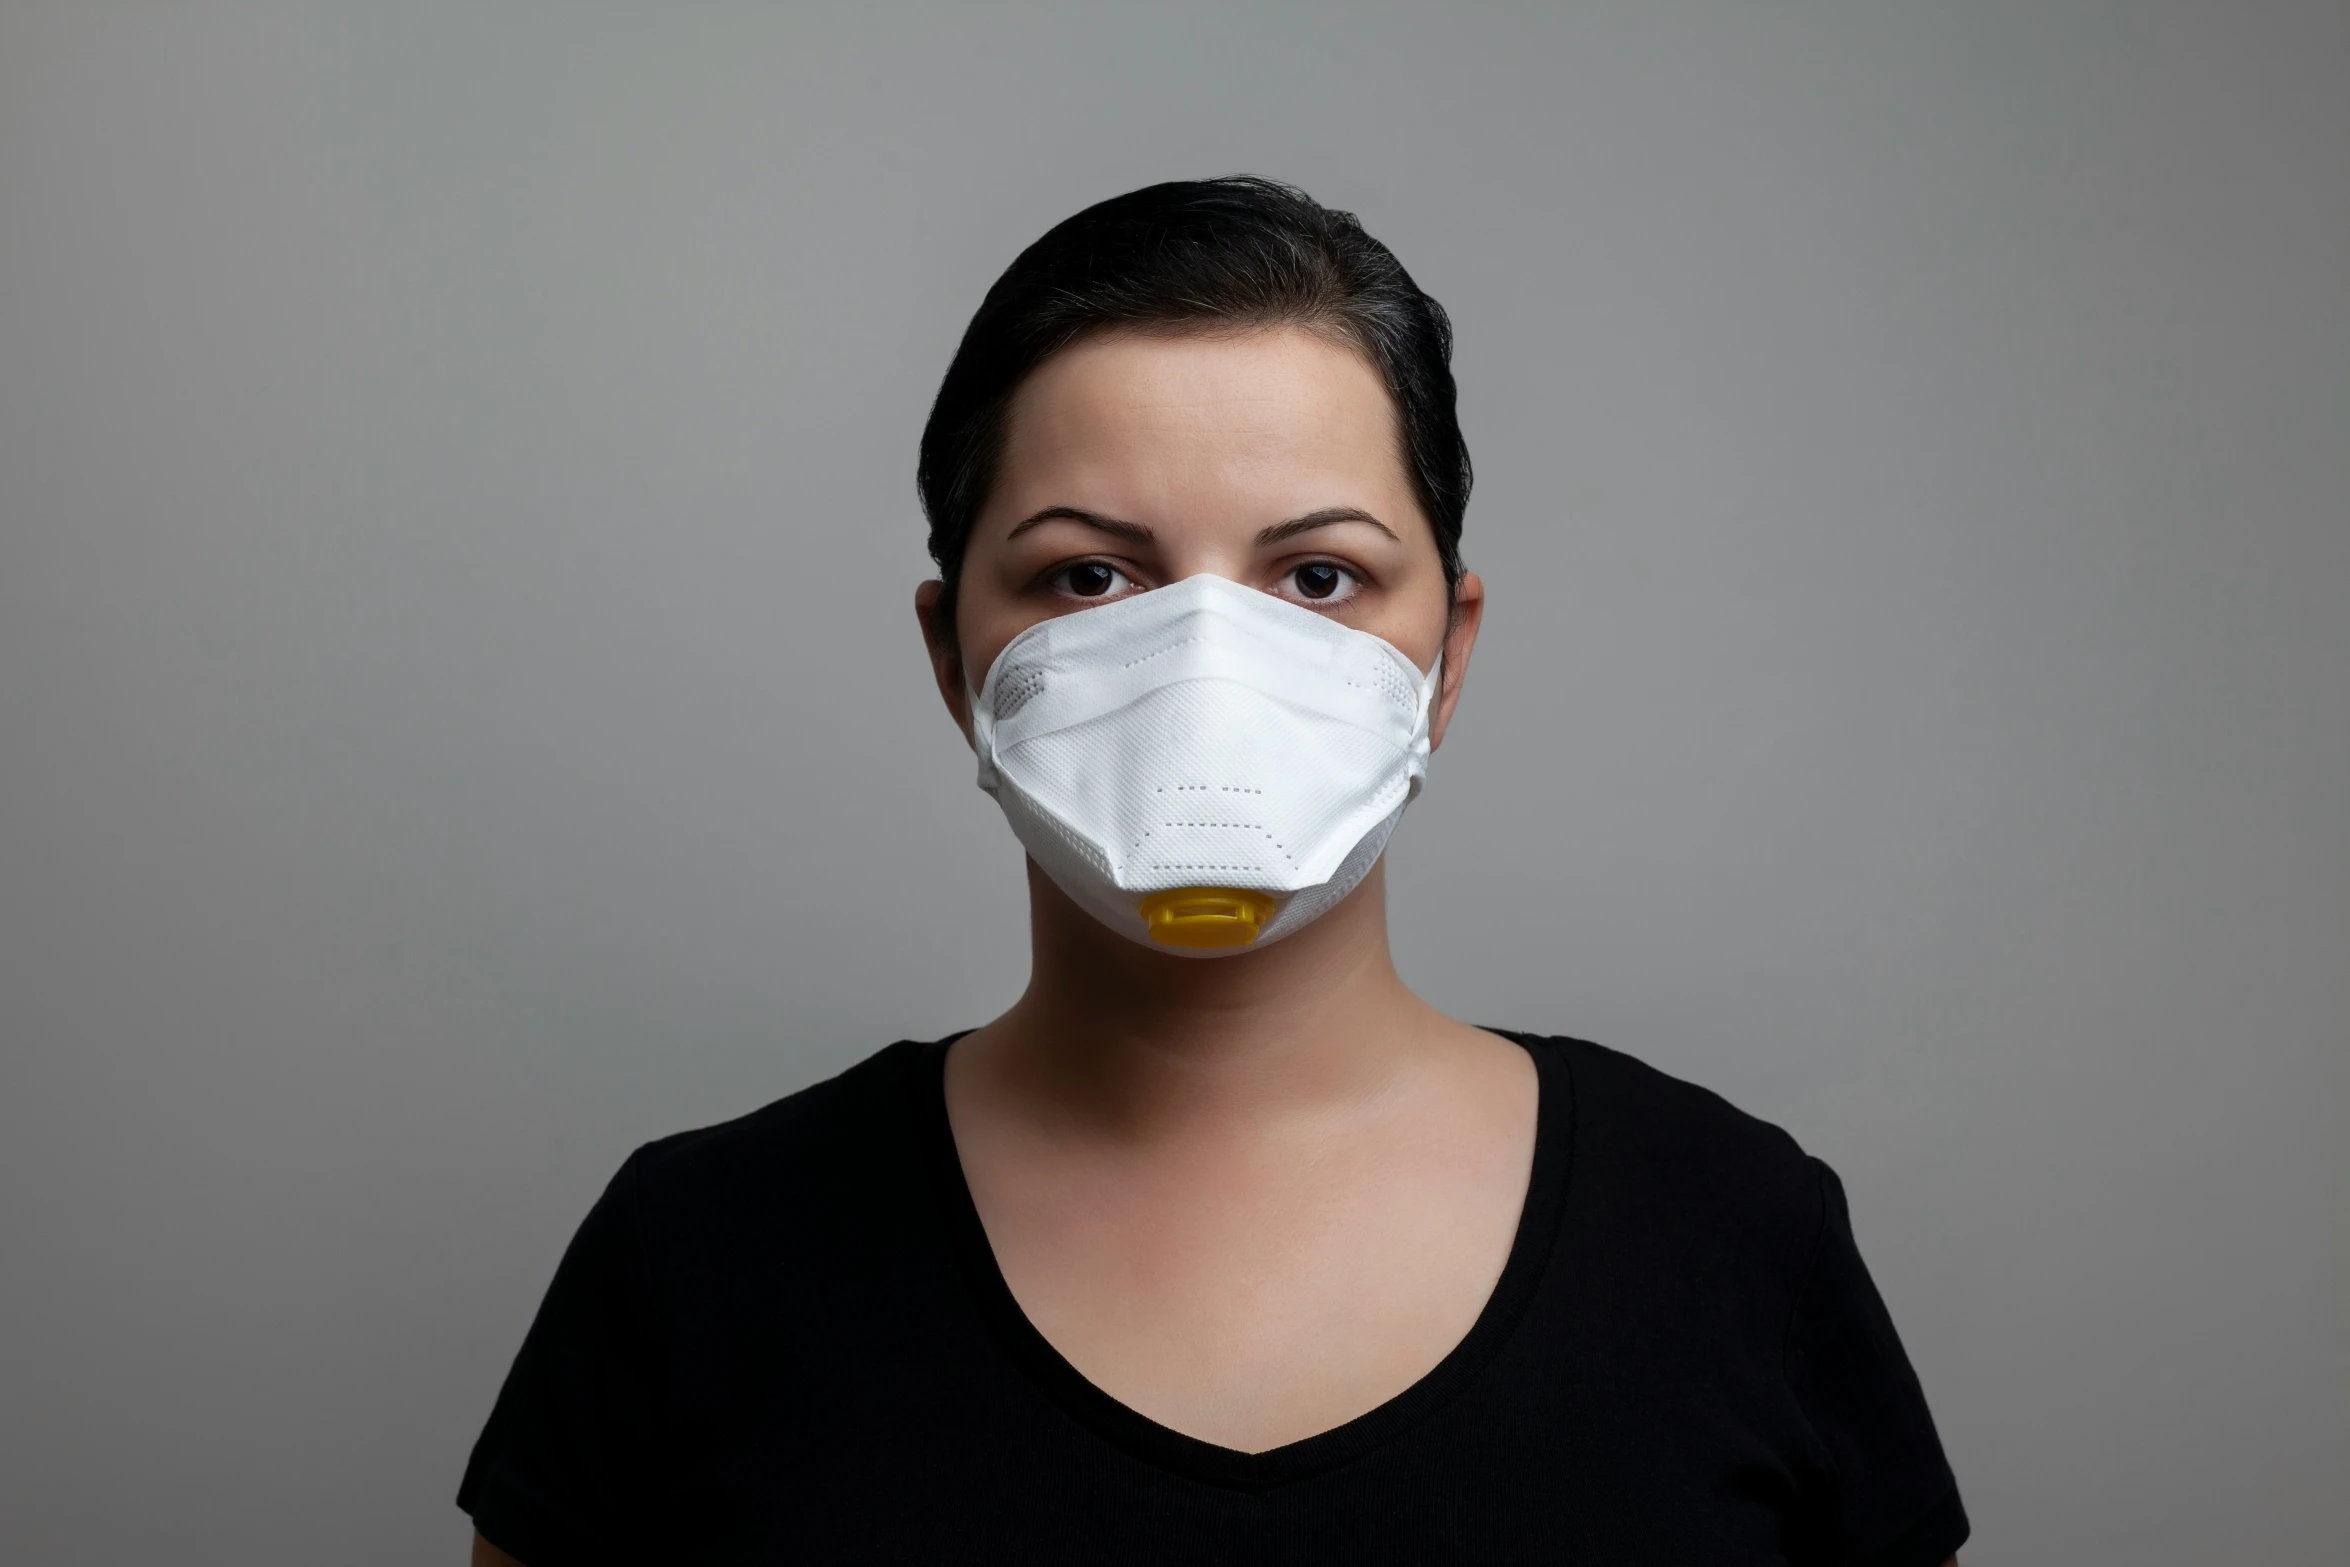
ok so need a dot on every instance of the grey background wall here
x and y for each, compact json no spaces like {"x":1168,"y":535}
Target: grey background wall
{"x":460,"y":713}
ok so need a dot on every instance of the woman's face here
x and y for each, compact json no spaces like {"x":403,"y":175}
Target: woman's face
{"x":1271,"y":458}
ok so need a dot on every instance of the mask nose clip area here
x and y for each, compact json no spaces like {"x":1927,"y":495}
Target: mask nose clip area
{"x":1206,"y":916}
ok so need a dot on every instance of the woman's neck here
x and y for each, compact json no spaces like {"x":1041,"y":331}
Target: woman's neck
{"x":1114,"y":1038}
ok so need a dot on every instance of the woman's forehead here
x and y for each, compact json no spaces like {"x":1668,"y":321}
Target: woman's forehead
{"x":1277,"y":417}
{"x":1279,"y":391}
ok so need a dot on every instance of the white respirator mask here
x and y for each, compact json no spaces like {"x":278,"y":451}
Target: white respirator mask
{"x":1203,"y":767}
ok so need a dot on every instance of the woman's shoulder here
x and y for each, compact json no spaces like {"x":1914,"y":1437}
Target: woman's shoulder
{"x":834,"y":1136}
{"x":1678,"y":1153}
{"x":1635,"y":1099}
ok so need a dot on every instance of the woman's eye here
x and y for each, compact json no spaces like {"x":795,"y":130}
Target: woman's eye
{"x":1090,"y":579}
{"x":1320,"y":582}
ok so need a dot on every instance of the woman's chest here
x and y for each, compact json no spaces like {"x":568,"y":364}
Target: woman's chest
{"x":1258,"y":1307}
{"x":914,"y":1465}
{"x":904,"y":1425}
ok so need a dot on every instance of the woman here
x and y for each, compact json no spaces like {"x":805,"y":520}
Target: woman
{"x":1220,"y":1245}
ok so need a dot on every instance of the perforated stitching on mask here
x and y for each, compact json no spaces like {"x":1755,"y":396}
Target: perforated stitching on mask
{"x":1169,"y":648}
{"x":1196,"y":865}
{"x":1387,"y":683}
{"x":1279,"y":847}
{"x":1018,"y":692}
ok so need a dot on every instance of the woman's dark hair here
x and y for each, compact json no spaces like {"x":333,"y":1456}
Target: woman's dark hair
{"x":1193,"y":255}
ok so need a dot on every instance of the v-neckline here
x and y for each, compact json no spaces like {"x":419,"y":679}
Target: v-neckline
{"x":1129,"y":1429}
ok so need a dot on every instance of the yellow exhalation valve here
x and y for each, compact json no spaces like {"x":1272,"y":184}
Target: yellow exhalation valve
{"x":1206,"y":916}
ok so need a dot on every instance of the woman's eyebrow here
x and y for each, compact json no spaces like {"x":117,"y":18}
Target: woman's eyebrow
{"x":1116,"y":526}
{"x":1321,"y":519}
{"x":1137,"y":533}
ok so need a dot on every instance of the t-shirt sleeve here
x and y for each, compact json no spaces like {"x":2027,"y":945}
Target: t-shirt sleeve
{"x":1885,"y":1496}
{"x":556,"y":1475}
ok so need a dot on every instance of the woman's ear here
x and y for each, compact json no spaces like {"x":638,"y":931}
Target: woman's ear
{"x":946,"y":658}
{"x":1460,"y":637}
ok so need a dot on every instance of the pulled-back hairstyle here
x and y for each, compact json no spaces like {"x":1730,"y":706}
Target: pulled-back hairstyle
{"x":1193,"y":256}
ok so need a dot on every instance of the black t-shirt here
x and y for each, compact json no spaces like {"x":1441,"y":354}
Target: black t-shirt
{"x":784,"y":1340}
